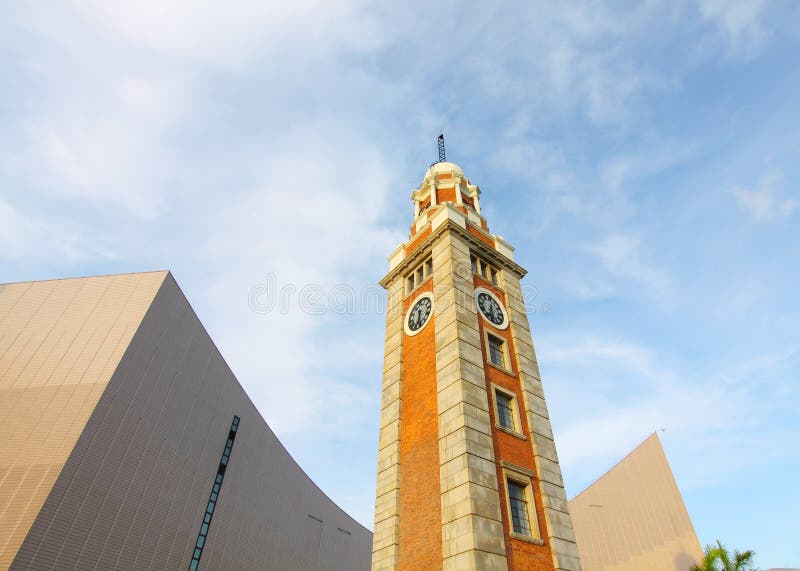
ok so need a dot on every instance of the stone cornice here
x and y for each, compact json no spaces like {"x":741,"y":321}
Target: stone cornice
{"x":479,"y":247}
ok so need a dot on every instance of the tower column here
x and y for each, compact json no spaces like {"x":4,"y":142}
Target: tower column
{"x":472,"y":529}
{"x":387,"y":493}
{"x":551,"y":485}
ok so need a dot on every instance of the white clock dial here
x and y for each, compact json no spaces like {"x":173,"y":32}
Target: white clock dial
{"x":419,"y":313}
{"x":491,"y":308}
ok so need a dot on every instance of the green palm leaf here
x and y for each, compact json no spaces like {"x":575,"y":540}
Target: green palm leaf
{"x":718,"y":558}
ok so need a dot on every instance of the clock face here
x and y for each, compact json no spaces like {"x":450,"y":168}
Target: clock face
{"x":419,"y":314}
{"x":491,"y":308}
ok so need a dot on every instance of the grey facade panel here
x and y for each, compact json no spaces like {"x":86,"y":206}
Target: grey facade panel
{"x":134,"y":490}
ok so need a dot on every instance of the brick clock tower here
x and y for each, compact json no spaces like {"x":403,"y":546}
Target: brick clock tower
{"x":468,"y":475}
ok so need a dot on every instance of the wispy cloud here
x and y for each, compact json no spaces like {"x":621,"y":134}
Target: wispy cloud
{"x":765,"y":204}
{"x":619,"y":354}
{"x":320,"y":225}
{"x":703,"y":416}
{"x":740,"y":20}
{"x":22,"y":234}
{"x":622,"y":257}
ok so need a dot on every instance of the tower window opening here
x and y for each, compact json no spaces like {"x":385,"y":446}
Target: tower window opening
{"x":505,"y":410}
{"x":420,"y":274}
{"x":484,"y":269}
{"x":518,"y":501}
{"x":497,"y":354}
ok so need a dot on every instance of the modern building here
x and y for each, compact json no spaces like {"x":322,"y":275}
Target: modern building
{"x":468,"y":475}
{"x":634,"y":518}
{"x":127,"y":443}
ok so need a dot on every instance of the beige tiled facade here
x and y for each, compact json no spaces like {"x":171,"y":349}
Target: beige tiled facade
{"x":115,"y":407}
{"x":60,"y":342}
{"x":634,"y":518}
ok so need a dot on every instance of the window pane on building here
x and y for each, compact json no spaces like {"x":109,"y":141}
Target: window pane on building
{"x":519,"y":508}
{"x":505,"y":413}
{"x":496,"y":355}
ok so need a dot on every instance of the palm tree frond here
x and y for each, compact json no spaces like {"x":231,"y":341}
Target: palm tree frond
{"x":718,"y":558}
{"x":743,"y":559}
{"x":725,"y":557}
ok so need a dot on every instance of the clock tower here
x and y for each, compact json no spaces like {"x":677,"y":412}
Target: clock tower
{"x":468,"y":475}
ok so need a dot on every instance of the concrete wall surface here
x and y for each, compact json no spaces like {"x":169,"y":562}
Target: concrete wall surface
{"x":133,"y":491}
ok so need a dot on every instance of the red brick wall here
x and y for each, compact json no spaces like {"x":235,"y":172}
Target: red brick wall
{"x":480,"y":235}
{"x":446,"y":195}
{"x":418,"y":240}
{"x":420,"y":495}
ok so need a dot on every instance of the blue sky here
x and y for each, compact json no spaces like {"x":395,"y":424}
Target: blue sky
{"x":642,"y":157}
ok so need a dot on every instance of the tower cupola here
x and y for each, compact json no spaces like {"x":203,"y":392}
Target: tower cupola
{"x":445,"y":182}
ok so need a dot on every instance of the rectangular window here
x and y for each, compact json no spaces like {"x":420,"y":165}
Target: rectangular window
{"x":422,"y":272}
{"x":520,"y":506}
{"x":483,"y":269}
{"x":505,"y":410}
{"x":518,"y":501}
{"x":496,"y":351}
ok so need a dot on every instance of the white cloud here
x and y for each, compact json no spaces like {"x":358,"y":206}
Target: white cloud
{"x":535,"y":159}
{"x":739,"y":19}
{"x":705,"y":418}
{"x":126,"y":79}
{"x":622,"y":257}
{"x":764,"y":204}
{"x":22,"y":236}
{"x":586,"y":288}
{"x":658,"y":158}
{"x":209,"y":33}
{"x":309,"y":222}
{"x":616,"y":353}
{"x":109,"y":154}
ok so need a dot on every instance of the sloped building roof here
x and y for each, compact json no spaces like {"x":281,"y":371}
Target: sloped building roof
{"x":633,"y":517}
